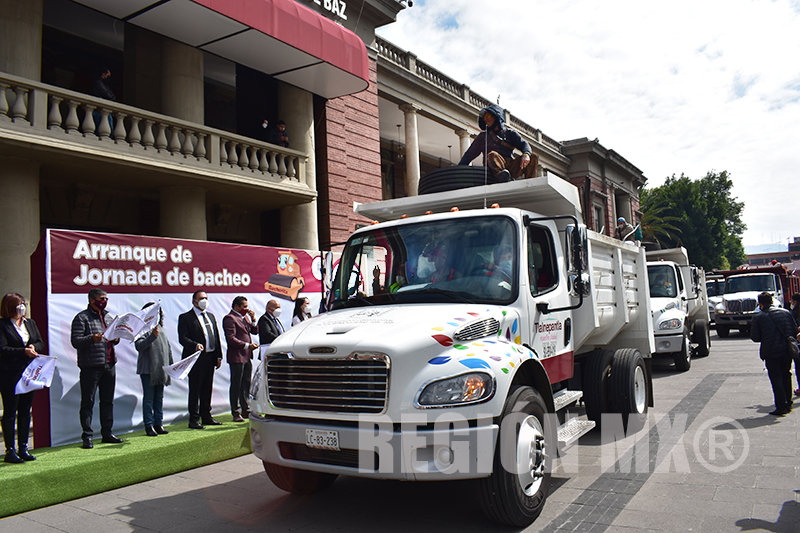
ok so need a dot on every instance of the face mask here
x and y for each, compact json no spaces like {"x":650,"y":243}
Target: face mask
{"x":264,"y":125}
{"x":100,"y":304}
{"x":277,"y":312}
{"x":306,"y":308}
{"x":21,"y":310}
{"x":202,"y":304}
{"x":505,"y":265}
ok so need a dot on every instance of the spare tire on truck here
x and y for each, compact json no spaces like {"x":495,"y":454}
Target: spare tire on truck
{"x":453,"y":178}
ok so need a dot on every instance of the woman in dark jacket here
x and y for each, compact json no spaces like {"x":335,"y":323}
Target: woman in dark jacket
{"x":154,"y":354}
{"x":20,"y":342}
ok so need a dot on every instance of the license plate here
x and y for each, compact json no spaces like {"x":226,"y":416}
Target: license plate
{"x":743,"y":322}
{"x":322,"y":439}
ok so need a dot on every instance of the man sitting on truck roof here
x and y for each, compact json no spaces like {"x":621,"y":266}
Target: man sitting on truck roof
{"x":498,"y":147}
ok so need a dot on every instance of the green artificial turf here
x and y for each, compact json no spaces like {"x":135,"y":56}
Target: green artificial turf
{"x":68,"y":472}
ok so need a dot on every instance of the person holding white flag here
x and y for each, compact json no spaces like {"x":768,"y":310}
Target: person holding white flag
{"x":97,"y":362}
{"x":20,"y":343}
{"x":154,"y":354}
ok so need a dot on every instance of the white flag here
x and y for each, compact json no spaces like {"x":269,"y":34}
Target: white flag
{"x":181,"y":369}
{"x":131,"y":326}
{"x":37,"y":375}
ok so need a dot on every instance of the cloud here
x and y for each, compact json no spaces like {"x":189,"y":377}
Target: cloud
{"x":685,"y":87}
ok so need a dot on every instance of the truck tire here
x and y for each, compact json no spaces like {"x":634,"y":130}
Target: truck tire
{"x":702,"y":337}
{"x":298,"y":481}
{"x":596,"y":372}
{"x":628,"y":387}
{"x":723,"y":331}
{"x":516,"y":498}
{"x":453,"y":178}
{"x":683,"y":358}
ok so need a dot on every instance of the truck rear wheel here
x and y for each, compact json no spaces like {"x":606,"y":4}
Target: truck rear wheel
{"x":628,"y":387}
{"x":683,"y":358}
{"x":298,"y":481}
{"x":722,"y":331}
{"x":527,"y":440}
{"x":702,"y":337}
{"x":596,"y":373}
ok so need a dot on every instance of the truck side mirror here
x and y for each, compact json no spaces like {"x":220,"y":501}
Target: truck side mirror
{"x":577,"y":246}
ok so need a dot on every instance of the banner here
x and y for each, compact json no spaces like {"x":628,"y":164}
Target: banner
{"x":135,"y":270}
{"x":131,"y":326}
{"x":181,"y":369}
{"x":37,"y":375}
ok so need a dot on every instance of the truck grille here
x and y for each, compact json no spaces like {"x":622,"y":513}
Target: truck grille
{"x":358,"y":384}
{"x":741,"y":306}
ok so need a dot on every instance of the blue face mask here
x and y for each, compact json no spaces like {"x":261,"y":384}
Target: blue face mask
{"x":506,"y":265}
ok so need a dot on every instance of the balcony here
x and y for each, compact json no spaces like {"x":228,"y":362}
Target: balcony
{"x":57,"y":127}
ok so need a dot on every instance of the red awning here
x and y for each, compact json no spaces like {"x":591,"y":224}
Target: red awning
{"x":278,"y":37}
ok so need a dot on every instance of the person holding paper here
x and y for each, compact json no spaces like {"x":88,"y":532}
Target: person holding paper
{"x":197,"y":330}
{"x":238,"y":325}
{"x":20,"y":342}
{"x":97,"y":362}
{"x":154,"y":354}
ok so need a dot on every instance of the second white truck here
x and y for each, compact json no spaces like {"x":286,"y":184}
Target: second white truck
{"x":459,"y":339}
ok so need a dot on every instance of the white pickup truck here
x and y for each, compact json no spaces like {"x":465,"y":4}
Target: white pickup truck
{"x":455,"y":343}
{"x":680,"y":306}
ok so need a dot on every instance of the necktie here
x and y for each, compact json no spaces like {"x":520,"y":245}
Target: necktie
{"x":278,"y":324}
{"x":212,"y":341}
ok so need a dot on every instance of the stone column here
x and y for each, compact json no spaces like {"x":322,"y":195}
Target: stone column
{"x":464,"y":140}
{"x":21,"y":38}
{"x":183,"y":212}
{"x":19,"y":218}
{"x":182,"y":81}
{"x":299,"y":222}
{"x":412,"y":148}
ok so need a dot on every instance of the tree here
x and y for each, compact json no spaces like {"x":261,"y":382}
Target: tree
{"x":703,"y":212}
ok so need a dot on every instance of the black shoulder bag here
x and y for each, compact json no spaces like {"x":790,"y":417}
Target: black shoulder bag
{"x":790,"y":340}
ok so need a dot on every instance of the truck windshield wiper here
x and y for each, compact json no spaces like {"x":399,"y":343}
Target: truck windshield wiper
{"x":436,"y":290}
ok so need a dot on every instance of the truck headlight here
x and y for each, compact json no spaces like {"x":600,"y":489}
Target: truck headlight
{"x":466,"y":388}
{"x":675,"y":323}
{"x":720,"y":307}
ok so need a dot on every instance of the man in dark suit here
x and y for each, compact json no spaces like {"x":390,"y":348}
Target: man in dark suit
{"x":238,"y":325}
{"x":269,"y":327}
{"x":197,"y":330}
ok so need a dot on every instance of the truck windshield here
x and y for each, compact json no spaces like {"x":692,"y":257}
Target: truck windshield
{"x":455,"y":260}
{"x":662,"y":281}
{"x":715,"y":288}
{"x":753,"y":283}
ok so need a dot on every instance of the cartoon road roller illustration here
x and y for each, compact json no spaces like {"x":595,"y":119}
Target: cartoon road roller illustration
{"x":287,"y":282}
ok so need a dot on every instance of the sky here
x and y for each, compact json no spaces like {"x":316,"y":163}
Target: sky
{"x":674,"y":87}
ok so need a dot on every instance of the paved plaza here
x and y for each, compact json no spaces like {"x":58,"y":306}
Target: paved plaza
{"x":710,"y":460}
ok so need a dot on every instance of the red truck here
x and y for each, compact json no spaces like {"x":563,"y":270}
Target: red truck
{"x":742,"y":287}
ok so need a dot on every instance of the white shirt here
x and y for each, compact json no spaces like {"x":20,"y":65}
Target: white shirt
{"x":200,"y":318}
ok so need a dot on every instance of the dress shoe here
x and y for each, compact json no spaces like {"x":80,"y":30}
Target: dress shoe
{"x":160,"y":430}
{"x":238,"y":418}
{"x":25,"y":454}
{"x":87,"y":444}
{"x":504,"y":176}
{"x":779,"y":412}
{"x":150,"y":432}
{"x":245,"y":414}
{"x":211,"y":422}
{"x":12,"y":457}
{"x":112,"y":439}
{"x":196,"y":425}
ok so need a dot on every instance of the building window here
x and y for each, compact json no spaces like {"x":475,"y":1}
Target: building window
{"x":599,"y":218}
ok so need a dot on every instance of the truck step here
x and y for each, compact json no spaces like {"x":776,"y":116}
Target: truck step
{"x":565,"y":398}
{"x":572,"y":430}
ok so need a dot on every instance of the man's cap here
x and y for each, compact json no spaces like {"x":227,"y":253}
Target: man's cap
{"x":621,"y":219}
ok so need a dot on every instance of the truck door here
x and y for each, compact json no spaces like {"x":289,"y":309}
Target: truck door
{"x":551,"y":333}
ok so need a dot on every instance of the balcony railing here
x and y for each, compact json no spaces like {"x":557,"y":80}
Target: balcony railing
{"x":409,"y":61}
{"x":122,"y":127}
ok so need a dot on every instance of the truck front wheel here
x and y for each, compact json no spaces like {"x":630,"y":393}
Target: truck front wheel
{"x":516,"y":491}
{"x":683,"y":358}
{"x":722,"y":331}
{"x":298,"y":481}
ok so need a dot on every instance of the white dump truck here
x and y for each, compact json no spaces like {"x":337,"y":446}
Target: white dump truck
{"x":680,"y":306}
{"x":457,"y":338}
